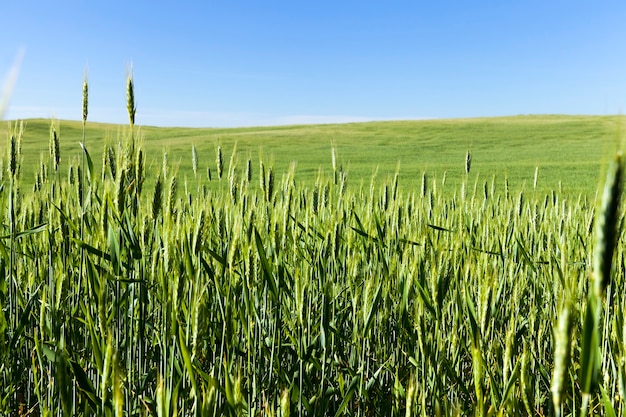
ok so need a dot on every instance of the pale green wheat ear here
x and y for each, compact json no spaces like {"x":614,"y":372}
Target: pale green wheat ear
{"x":563,"y":340}
{"x":9,"y":83}
{"x":130,"y":98}
{"x":85,"y":98}
{"x":606,"y":225}
{"x":219,"y":161}
{"x":55,"y":147}
{"x":12,"y":155}
{"x":194,"y":160}
{"x":157,"y":199}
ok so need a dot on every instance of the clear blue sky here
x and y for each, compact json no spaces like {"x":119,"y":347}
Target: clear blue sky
{"x":242,"y":63}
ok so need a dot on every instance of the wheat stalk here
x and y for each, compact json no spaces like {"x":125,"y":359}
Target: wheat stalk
{"x":130,"y":98}
{"x":563,"y":338}
{"x":606,"y":226}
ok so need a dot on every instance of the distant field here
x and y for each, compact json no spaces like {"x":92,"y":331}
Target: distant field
{"x":567,"y":149}
{"x":270,"y":294}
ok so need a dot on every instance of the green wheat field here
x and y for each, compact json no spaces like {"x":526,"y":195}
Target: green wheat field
{"x":418,"y":268}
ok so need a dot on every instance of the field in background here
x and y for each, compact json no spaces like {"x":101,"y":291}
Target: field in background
{"x":567,"y":149}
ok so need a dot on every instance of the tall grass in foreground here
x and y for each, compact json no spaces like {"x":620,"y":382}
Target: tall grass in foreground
{"x":266,"y":297}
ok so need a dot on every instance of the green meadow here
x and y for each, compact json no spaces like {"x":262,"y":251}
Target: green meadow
{"x":569,"y":151}
{"x":406,"y":268}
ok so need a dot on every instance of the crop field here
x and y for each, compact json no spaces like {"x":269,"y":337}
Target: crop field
{"x":568,"y":151}
{"x":465,"y":267}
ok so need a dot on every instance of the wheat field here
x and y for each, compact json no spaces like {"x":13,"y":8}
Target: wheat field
{"x":254,"y":293}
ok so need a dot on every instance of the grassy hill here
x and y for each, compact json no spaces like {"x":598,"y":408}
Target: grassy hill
{"x":568,"y":150}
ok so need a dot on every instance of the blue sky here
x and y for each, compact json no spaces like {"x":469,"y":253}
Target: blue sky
{"x":245,"y":63}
